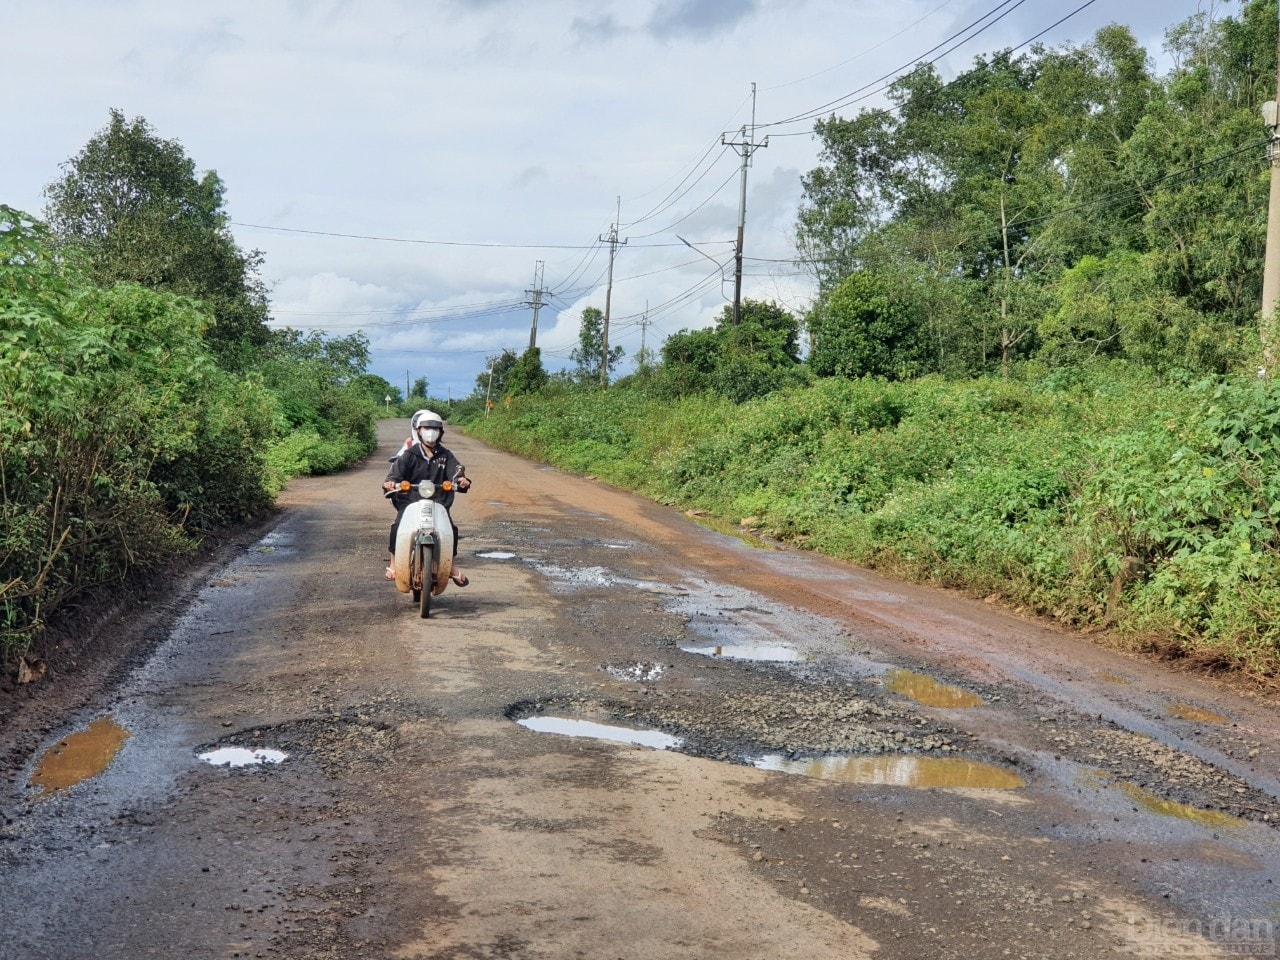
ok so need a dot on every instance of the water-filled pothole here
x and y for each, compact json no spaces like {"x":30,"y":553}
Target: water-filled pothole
{"x":928,"y":691}
{"x":1185,"y":711}
{"x":569,"y":727}
{"x":897,"y":770}
{"x":242,"y":757}
{"x":771,"y":652}
{"x":635,"y":672}
{"x":80,"y":756}
{"x":1156,"y":804}
{"x":497,"y":555}
{"x":1114,"y":678}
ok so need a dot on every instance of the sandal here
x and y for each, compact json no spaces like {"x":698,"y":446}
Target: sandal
{"x":391,"y":573}
{"x":463,"y":582}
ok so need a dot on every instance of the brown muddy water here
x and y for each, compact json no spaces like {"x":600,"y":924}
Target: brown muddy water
{"x":898,"y":770}
{"x":928,"y":691}
{"x":82,"y":755}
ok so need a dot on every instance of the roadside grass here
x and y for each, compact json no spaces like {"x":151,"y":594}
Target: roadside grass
{"x":1102,"y":497}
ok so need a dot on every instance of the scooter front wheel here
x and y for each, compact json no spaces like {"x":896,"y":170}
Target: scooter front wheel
{"x":427,"y":564}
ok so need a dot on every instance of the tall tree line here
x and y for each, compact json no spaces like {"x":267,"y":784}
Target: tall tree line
{"x":1058,"y":203}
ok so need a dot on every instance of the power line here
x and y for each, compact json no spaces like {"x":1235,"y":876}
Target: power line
{"x":433,"y":243}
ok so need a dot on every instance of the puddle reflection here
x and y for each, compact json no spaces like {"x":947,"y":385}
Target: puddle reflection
{"x":774,"y":653}
{"x":242,"y":757}
{"x":930,"y":692}
{"x":897,"y":770}
{"x":497,"y":555}
{"x":599,"y":731}
{"x":80,"y":756}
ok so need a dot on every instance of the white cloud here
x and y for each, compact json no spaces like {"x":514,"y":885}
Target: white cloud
{"x":499,"y":122}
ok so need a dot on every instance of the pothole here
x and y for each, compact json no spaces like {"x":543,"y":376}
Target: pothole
{"x":242,"y":757}
{"x":928,"y":691}
{"x":568,"y":727}
{"x":1153,"y":803}
{"x":1186,"y":711}
{"x":1113,"y":678}
{"x":80,"y":756}
{"x":497,"y":555}
{"x":896,"y":770}
{"x":770,"y":652}
{"x":635,"y":672}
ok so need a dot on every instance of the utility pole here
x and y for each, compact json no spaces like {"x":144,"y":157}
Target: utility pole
{"x":644,"y":329}
{"x":406,"y":384}
{"x":746,"y":146}
{"x":613,"y":242}
{"x":1271,"y":261}
{"x":536,"y":295}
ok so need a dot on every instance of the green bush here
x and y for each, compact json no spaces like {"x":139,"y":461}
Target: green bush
{"x":1041,"y":488}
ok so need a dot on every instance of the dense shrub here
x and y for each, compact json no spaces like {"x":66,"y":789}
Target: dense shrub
{"x":1091,"y":495}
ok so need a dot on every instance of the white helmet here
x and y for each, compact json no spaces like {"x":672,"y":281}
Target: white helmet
{"x":427,"y":427}
{"x":427,"y":418}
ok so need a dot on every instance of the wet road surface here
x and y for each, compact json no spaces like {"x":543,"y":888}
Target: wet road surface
{"x":630,"y":737}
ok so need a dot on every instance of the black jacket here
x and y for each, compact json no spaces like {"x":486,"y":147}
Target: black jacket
{"x":414,"y":465}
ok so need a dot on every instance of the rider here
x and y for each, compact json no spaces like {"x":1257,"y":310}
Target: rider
{"x":426,"y":458}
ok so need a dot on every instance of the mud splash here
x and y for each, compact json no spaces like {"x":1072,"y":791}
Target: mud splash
{"x":897,"y":770}
{"x":80,"y":756}
{"x":567,"y":727}
{"x":925,"y":690}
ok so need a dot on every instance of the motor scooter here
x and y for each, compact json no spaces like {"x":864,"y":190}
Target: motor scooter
{"x":424,"y":543}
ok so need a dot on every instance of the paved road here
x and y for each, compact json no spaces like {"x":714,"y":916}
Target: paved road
{"x":1091,"y":804}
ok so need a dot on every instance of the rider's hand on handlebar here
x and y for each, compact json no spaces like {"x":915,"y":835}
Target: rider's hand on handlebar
{"x":462,"y":483}
{"x":389,"y":485}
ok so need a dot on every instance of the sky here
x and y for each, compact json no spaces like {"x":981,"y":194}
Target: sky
{"x":411,"y":168}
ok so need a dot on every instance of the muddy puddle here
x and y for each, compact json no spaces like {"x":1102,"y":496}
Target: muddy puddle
{"x":1113,"y":678}
{"x":1153,"y":803}
{"x":497,"y":555}
{"x":928,"y":691}
{"x":766,"y":652}
{"x":1187,"y":711}
{"x":80,"y":756}
{"x":897,"y":770}
{"x":568,"y":727}
{"x":242,"y":757}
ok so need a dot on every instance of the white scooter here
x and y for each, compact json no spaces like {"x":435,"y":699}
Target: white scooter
{"x":424,"y":544}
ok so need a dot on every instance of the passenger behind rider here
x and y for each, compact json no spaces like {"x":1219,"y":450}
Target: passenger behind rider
{"x":424,"y":457}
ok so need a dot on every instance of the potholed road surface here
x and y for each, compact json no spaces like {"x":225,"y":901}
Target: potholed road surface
{"x":630,"y":737}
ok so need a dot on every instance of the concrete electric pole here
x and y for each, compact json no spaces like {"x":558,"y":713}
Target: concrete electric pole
{"x":613,"y":242}
{"x":1271,"y":262}
{"x":536,"y":295}
{"x":746,"y":146}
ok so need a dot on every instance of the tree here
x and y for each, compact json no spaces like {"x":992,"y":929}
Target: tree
{"x":862,"y":330}
{"x":527,"y":374}
{"x":419,"y":388}
{"x":133,"y":207}
{"x":492,"y":381}
{"x":589,"y":354}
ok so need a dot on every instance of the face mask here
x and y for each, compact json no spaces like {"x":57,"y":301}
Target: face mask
{"x":429,"y":435}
